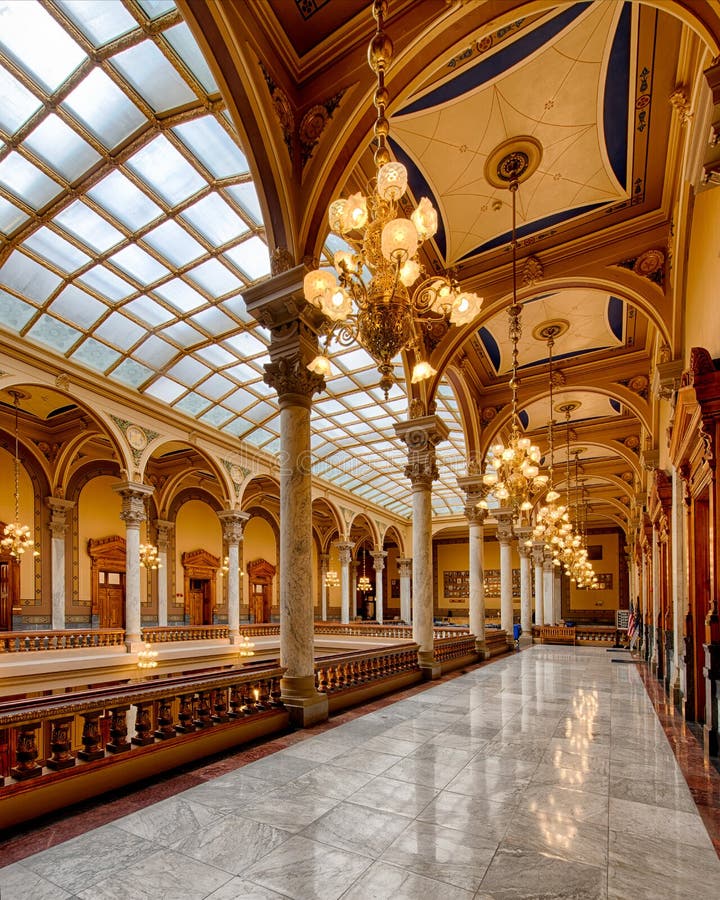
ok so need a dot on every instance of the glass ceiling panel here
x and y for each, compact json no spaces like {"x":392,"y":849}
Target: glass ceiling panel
{"x":213,"y":146}
{"x":189,"y":371}
{"x":131,"y":373}
{"x":120,"y":331}
{"x":155,"y":352}
{"x":180,"y":295}
{"x":214,"y":321}
{"x":213,"y":277}
{"x":61,"y":148}
{"x":104,"y":109}
{"x":183,"y":42}
{"x":24,"y":276}
{"x":139,"y":264}
{"x":55,"y":334}
{"x":182,"y":334}
{"x":107,"y":283}
{"x":18,"y":103}
{"x":14,"y":313}
{"x":99,"y":20}
{"x":215,"y":219}
{"x":95,"y":355}
{"x":165,"y":390}
{"x":153,"y":76}
{"x":124,"y":200}
{"x":77,"y":307}
{"x":247,"y":345}
{"x":192,"y":404}
{"x":246,"y":195}
{"x":156,"y":8}
{"x":174,"y":243}
{"x":166,"y":172}
{"x":252,"y":256}
{"x":148,"y":311}
{"x":57,"y":250}
{"x":10,"y":216}
{"x":27,"y":182}
{"x":33,"y":38}
{"x":216,"y":387}
{"x":86,"y":225}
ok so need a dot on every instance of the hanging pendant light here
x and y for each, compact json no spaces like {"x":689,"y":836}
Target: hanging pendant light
{"x":149,"y":554}
{"x":364,"y":584}
{"x":513,"y":475}
{"x":379,"y":294}
{"x":17,"y":539}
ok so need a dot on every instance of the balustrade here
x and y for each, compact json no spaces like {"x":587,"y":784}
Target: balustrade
{"x":35,"y":641}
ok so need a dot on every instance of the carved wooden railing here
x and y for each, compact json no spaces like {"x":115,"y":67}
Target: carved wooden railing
{"x":449,"y":648}
{"x":402,"y":632}
{"x":172,"y":633}
{"x":91,"y":725}
{"x":351,"y":670}
{"x":604,"y":635}
{"x":32,"y":641}
{"x":557,"y":634}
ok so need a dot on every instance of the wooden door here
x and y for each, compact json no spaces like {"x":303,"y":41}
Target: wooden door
{"x":199,"y":602}
{"x":260,"y":603}
{"x":111,"y":599}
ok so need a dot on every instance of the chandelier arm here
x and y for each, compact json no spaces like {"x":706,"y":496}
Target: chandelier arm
{"x":550,"y":344}
{"x":17,"y":462}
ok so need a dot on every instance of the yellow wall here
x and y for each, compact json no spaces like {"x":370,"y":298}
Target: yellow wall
{"x":259,"y":543}
{"x":454,"y":557}
{"x":197,"y":527}
{"x":99,"y":508}
{"x":610,"y":563}
{"x":702,"y":323}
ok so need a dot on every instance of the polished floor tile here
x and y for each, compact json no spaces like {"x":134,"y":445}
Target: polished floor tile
{"x":546,"y":773}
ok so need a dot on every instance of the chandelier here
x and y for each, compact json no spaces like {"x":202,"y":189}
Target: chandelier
{"x":147,"y":657}
{"x":552,"y":520}
{"x":513,"y":475}
{"x":246,"y":647}
{"x":149,"y":556}
{"x":380,"y":295}
{"x":364,"y":584}
{"x":17,"y":538}
{"x":331,"y":579}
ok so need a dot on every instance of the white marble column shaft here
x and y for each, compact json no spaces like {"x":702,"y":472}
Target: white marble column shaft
{"x":379,"y":565}
{"x":476,"y":600}
{"x":324,"y":565}
{"x":524,"y":551}
{"x":504,"y":536}
{"x":538,"y":553}
{"x":557,"y":594}
{"x":162,"y":530}
{"x":405,"y":571}
{"x":655,"y":559}
{"x":345,"y":554}
{"x":59,"y":510}
{"x":133,"y":514}
{"x":548,"y":589}
{"x":679,"y":579}
{"x":233,"y":523}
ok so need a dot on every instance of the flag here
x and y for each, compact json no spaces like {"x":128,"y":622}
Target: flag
{"x":632,"y":624}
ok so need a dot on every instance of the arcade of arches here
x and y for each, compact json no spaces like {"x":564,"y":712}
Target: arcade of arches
{"x":157,"y":346}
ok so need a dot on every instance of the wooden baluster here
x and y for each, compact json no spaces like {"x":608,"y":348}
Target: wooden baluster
{"x":321,"y":679}
{"x":219,"y":705}
{"x":185,"y":715}
{"x":143,"y":725}
{"x":91,"y":738}
{"x":276,"y":694}
{"x":60,"y":743}
{"x":235,"y":702}
{"x":165,"y":728}
{"x":118,"y":731}
{"x":26,"y":753}
{"x":248,"y":700}
{"x":203,"y":718}
{"x":260,"y":694}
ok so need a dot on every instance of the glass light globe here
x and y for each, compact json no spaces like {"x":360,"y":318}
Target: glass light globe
{"x":422,"y":371}
{"x":392,"y":180}
{"x":344,"y":260}
{"x":465,"y":308}
{"x":320,"y":366}
{"x":425,"y":219}
{"x":409,"y":272}
{"x":337,"y":304}
{"x":399,"y":240}
{"x":316,"y":284}
{"x":356,"y":214}
{"x":524,"y":443}
{"x":336,"y":215}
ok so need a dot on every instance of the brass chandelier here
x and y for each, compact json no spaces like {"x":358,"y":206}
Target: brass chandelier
{"x":513,"y":475}
{"x":364,"y":584}
{"x":380,"y":294}
{"x":17,"y":539}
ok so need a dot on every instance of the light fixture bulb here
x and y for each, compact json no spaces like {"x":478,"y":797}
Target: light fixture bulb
{"x":422,"y":371}
{"x":399,"y":241}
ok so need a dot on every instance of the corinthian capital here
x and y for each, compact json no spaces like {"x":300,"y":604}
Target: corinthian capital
{"x":233,"y":523}
{"x":133,"y":496}
{"x":421,"y":436}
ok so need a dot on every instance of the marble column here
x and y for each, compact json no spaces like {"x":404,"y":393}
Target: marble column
{"x":475,"y":492}
{"x":679,"y":582}
{"x":278,"y":303}
{"x":233,"y":522}
{"x":656,"y":573}
{"x":163,"y":529}
{"x":59,"y":509}
{"x":345,"y":549}
{"x":524,"y":550}
{"x":504,"y":535}
{"x":548,"y":589}
{"x":133,"y":515}
{"x":538,"y":555}
{"x":644,"y":600}
{"x":421,"y":436}
{"x":405,"y":571}
{"x":557,"y":594}
{"x":379,"y":557}
{"x":324,"y":566}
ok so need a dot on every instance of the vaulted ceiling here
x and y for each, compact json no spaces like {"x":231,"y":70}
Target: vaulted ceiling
{"x":151,"y":163}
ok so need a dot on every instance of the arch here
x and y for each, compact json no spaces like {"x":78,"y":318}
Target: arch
{"x":370,"y":527}
{"x":167,"y":488}
{"x":325,"y":536}
{"x":391,"y":529}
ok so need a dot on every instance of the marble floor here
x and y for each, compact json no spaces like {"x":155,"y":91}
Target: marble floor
{"x":545,"y":774}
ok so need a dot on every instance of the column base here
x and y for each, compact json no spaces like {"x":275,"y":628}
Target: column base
{"x":710,"y":741}
{"x":429,"y":667}
{"x":304,"y":704}
{"x":482,"y":650}
{"x":133,"y":644}
{"x":235,"y":637}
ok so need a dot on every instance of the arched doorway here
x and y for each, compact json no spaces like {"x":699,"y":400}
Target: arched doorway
{"x":260,"y":580}
{"x":9,"y":587}
{"x":107,"y":581}
{"x":200,"y":568}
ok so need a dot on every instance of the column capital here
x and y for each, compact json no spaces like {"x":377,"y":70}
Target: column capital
{"x":133,"y":501}
{"x":345,"y":549}
{"x":294,"y":382}
{"x":379,"y":557}
{"x":548,"y":564}
{"x":504,"y":531}
{"x":538,"y":553}
{"x":59,"y":508}
{"x":404,"y":565}
{"x":523,"y":533}
{"x":233,"y":523}
{"x":324,"y":562}
{"x":421,"y":436}
{"x":162,"y":529}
